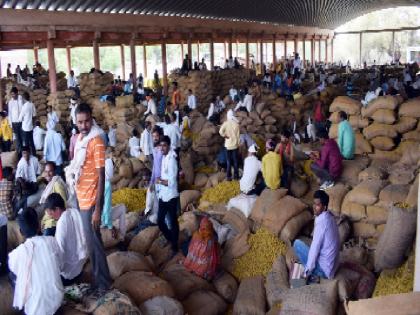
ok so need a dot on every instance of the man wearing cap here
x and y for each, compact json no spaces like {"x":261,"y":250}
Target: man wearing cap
{"x":252,"y":166}
{"x":271,"y":166}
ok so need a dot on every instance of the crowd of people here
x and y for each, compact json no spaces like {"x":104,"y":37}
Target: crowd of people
{"x":61,"y":216}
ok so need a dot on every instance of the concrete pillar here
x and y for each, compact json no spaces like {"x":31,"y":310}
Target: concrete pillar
{"x":312,"y":51}
{"x":274,"y":54}
{"x":326,"y":50}
{"x":247,"y":53}
{"x":285,"y":49}
{"x":96,"y":60}
{"x":266,"y":52}
{"x":319,"y":51}
{"x":211,"y":54}
{"x":261,"y":55}
{"x":198,"y":51}
{"x":360,"y":48}
{"x":52,"y":72}
{"x":393,"y":45}
{"x":224,"y":50}
{"x":332,"y":49}
{"x":122,"y":53}
{"x":133,"y":64}
{"x":237,"y":49}
{"x":230,"y":53}
{"x":295,"y":45}
{"x":182,"y":52}
{"x":164,"y":70}
{"x":36,"y":56}
{"x":304,"y":53}
{"x":144,"y":62}
{"x":68,"y":55}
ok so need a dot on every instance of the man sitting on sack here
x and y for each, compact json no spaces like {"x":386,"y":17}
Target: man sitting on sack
{"x":321,"y":259}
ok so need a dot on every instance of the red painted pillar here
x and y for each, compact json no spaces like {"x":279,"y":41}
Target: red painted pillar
{"x":122,"y":53}
{"x":133,"y":65}
{"x":211,"y":54}
{"x":68,"y":55}
{"x":145,"y":62}
{"x":247,"y":53}
{"x":274,"y":54}
{"x":164,"y":70}
{"x":96,"y":61}
{"x":36,"y":56}
{"x":52,"y":72}
{"x":261,"y":55}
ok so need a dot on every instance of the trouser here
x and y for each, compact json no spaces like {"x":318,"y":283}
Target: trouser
{"x":17,"y":130}
{"x":257,"y":190}
{"x":171,"y":233}
{"x":69,"y":282}
{"x":302,"y":252}
{"x":118,"y":213}
{"x":49,"y":231}
{"x":6,"y":145}
{"x":286,"y":177}
{"x":100,"y":271}
{"x":28,"y":140}
{"x":3,"y":249}
{"x":232,"y":158}
{"x":321,"y":173}
{"x":59,"y":170}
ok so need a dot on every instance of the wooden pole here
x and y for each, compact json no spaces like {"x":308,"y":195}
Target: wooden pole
{"x":211,"y":54}
{"x":52,"y":72}
{"x":247,"y":53}
{"x":145,"y":62}
{"x":133,"y":65}
{"x":122,"y":61}
{"x":96,"y":61}
{"x":164,"y":69}
{"x":68,"y":55}
{"x":36,"y":56}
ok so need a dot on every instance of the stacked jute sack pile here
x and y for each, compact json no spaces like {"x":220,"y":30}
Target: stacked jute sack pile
{"x":206,"y":85}
{"x":384,"y":129}
{"x":94,"y":84}
{"x":60,"y":101}
{"x":39,"y":98}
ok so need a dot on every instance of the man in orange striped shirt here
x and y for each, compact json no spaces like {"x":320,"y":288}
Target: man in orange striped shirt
{"x":90,"y":191}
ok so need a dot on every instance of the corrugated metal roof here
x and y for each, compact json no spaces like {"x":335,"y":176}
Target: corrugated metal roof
{"x":316,"y":13}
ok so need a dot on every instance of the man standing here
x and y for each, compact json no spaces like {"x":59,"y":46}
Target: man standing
{"x":252,"y":166}
{"x":15,"y":107}
{"x":346,"y":139}
{"x":39,"y":136}
{"x":146,"y":142}
{"x":167,"y":190}
{"x":54,"y":147}
{"x":192,"y":100}
{"x":231,"y":132}
{"x":26,"y":116}
{"x":321,"y":259}
{"x":87,"y":173}
{"x":6,"y":193}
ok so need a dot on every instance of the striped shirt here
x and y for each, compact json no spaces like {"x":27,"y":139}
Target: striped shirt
{"x":87,"y":186}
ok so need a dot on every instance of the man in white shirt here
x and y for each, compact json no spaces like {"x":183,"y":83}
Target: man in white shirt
{"x":15,"y":107}
{"x":231,"y":63}
{"x":134,"y":144}
{"x":27,"y":116}
{"x":146,"y":142}
{"x":246,"y":104}
{"x":39,"y":136}
{"x":171,"y":129}
{"x":35,"y":266}
{"x":112,"y":136}
{"x":167,"y":190}
{"x":54,"y":147}
{"x":26,"y":173}
{"x":52,"y":115}
{"x":297,"y":64}
{"x":151,"y":106}
{"x":233,"y":93}
{"x":192,"y":100}
{"x":71,"y":81}
{"x":70,"y":238}
{"x":252,"y":166}
{"x":73,"y":107}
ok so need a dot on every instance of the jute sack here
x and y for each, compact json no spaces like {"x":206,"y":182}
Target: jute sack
{"x":364,"y":230}
{"x":294,"y":226}
{"x":380,"y":103}
{"x":394,"y":193}
{"x":366,"y":193}
{"x":377,"y":130}
{"x":189,"y":196}
{"x":160,"y":255}
{"x":391,"y":156}
{"x":413,"y":193}
{"x":265,"y":201}
{"x":376,"y":215}
{"x":150,"y":287}
{"x":345,"y":104}
{"x":384,"y":116}
{"x":397,"y":237}
{"x":187,"y":167}
{"x":362,"y":145}
{"x":9,"y":159}
{"x":189,"y":222}
{"x":347,"y":281}
{"x":354,"y":211}
{"x":410,"y":108}
{"x":6,"y":301}
{"x":162,"y":305}
{"x":316,"y":299}
{"x":401,"y":304}
{"x":405,"y":124}
{"x":383,"y":143}
{"x":251,"y":297}
{"x":236,"y":246}
{"x":351,"y":169}
{"x":358,"y":122}
{"x":281,"y":212}
{"x":203,"y":302}
{"x":344,"y":228}
{"x":183,"y":281}
{"x":200,"y":180}
{"x":411,"y":155}
{"x":277,"y":281}
{"x":412,"y":136}
{"x":333,"y":132}
{"x":372,"y":172}
{"x":337,"y":194}
{"x":354,"y":253}
{"x":111,"y":303}
{"x":122,"y":262}
{"x":226,"y":286}
{"x":298,"y":187}
{"x":237,"y":220}
{"x":142,"y":241}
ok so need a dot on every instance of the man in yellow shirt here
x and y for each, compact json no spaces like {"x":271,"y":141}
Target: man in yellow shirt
{"x":231,"y":132}
{"x":6,"y":133}
{"x":55,"y":185}
{"x":271,"y":166}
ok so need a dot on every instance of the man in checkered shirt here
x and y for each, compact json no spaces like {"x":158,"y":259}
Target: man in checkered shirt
{"x":6,"y":193}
